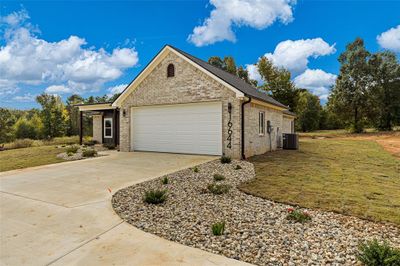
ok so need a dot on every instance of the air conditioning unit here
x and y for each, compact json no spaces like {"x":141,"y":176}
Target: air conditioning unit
{"x":290,"y":141}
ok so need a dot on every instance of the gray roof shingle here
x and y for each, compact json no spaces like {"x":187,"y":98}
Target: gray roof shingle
{"x":231,"y":79}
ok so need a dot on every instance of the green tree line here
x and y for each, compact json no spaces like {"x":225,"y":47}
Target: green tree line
{"x":366,"y":93}
{"x":54,"y":119}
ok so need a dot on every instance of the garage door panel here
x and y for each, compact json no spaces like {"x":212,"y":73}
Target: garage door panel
{"x":183,"y":128}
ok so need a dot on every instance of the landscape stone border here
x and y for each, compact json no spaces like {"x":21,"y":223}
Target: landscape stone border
{"x":257,"y":230}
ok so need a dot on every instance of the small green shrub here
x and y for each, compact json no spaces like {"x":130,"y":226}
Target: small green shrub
{"x":373,"y":253}
{"x":109,"y":146}
{"x":218,"y":228}
{"x":72,"y":149}
{"x":165,"y":180}
{"x":70,"y":154}
{"x":218,"y":189}
{"x":298,"y":216}
{"x":89,"y":153}
{"x":238,"y":167}
{"x":155,"y":196}
{"x":226,"y":159}
{"x":90,"y":142}
{"x":218,"y":177}
{"x":195,"y":169}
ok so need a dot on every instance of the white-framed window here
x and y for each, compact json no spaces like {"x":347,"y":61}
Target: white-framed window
{"x":261,"y":123}
{"x":108,"y":127}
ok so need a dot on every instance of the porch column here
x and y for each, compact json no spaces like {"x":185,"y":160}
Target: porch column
{"x":80,"y":127}
{"x":114,"y":129}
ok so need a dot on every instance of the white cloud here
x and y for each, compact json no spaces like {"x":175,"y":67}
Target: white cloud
{"x":27,"y":59}
{"x":59,"y":89}
{"x":253,"y":73}
{"x":390,"y":39}
{"x":316,"y":81}
{"x":116,"y":89}
{"x":257,"y":14}
{"x":25,"y":98}
{"x":294,"y":55}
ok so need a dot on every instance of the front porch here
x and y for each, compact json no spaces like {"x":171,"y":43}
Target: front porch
{"x":105,"y":122}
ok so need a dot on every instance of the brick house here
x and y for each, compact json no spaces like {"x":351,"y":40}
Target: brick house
{"x":181,"y":104}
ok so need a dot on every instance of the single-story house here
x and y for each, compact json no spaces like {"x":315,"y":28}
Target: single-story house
{"x":181,"y":104}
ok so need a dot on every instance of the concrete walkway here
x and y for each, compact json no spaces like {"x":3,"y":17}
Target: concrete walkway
{"x":61,"y":214}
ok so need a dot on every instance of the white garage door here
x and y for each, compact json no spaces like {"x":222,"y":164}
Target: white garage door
{"x":181,"y":128}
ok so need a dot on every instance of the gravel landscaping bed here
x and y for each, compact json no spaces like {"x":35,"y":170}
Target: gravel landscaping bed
{"x":257,"y":230}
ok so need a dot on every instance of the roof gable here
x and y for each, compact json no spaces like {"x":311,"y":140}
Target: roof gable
{"x":239,"y":86}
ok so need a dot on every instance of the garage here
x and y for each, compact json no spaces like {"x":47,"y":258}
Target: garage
{"x":180,"y":128}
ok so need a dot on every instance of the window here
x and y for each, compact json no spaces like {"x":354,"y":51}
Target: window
{"x":108,"y":128}
{"x":261,"y":123}
{"x":170,"y":70}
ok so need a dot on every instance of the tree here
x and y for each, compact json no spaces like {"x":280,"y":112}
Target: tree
{"x":24,"y":129}
{"x":230,"y":65}
{"x":73,"y":114}
{"x":349,"y":95}
{"x":53,"y":115}
{"x":308,"y":111}
{"x":277,"y":82}
{"x":7,"y":120}
{"x":384,"y":91}
{"x":243,"y":74}
{"x":216,"y":61}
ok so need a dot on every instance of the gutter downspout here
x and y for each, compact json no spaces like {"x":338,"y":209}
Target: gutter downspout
{"x":242,"y":131}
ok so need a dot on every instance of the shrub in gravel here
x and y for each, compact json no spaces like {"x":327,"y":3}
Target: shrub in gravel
{"x":218,"y":189}
{"x":155,"y":196}
{"x":218,"y":228}
{"x":195,"y":169}
{"x":226,"y":159}
{"x":165,"y":180}
{"x":109,"y":146}
{"x":72,"y":149}
{"x":89,"y":153}
{"x":70,"y":153}
{"x":238,"y":167}
{"x":218,"y":177}
{"x":373,"y":253}
{"x":298,"y":216}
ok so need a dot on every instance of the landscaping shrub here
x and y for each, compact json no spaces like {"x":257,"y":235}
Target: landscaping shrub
{"x":165,"y":180}
{"x":90,"y":143}
{"x":89,"y":153}
{"x":109,"y":146}
{"x":218,"y":189}
{"x":298,"y":216}
{"x":195,"y":169}
{"x":155,"y":196}
{"x":373,"y":253}
{"x":238,"y":167}
{"x":218,"y":177}
{"x":72,"y":149}
{"x":226,"y":159}
{"x":70,"y":153}
{"x":218,"y":228}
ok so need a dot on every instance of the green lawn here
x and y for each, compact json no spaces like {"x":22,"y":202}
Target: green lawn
{"x":28,"y":157}
{"x":354,"y":177}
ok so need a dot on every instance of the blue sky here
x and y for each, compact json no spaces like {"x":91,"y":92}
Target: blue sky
{"x":113,"y":40}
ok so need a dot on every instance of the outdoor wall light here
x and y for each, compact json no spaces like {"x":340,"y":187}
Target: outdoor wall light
{"x":124,"y":113}
{"x":229,"y":107}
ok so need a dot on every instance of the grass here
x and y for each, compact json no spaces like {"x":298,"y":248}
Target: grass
{"x":28,"y":157}
{"x":353,"y":177}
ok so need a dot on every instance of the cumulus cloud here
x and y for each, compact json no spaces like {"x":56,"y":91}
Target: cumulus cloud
{"x":253,"y":73}
{"x":257,"y":14}
{"x":116,"y":89}
{"x":58,"y":89}
{"x":390,"y":39}
{"x":316,"y":81}
{"x":294,"y":55}
{"x":25,"y":98}
{"x":25,"y":58}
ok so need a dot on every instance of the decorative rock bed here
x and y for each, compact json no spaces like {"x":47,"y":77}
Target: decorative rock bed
{"x":257,"y":230}
{"x":79,"y":154}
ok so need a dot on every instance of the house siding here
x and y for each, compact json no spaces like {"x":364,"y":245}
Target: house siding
{"x":189,"y":85}
{"x":98,"y":128}
{"x":287,"y":125}
{"x":254,"y":142}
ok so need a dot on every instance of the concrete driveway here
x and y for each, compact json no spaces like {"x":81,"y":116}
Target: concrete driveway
{"x":61,"y":214}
